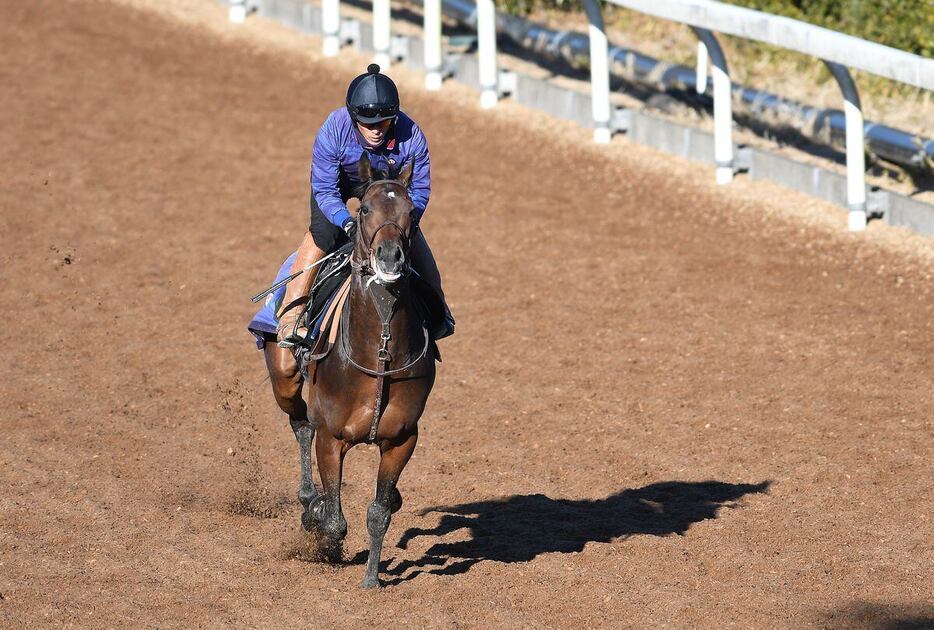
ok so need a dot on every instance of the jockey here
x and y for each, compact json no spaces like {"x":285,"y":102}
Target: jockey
{"x":370,"y":121}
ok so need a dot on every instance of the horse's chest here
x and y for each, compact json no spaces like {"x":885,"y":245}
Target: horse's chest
{"x":352,"y":423}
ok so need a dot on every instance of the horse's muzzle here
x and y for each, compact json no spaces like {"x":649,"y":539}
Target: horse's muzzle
{"x":389,"y":262}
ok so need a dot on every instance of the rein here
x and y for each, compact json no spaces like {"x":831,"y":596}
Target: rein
{"x":385,"y":302}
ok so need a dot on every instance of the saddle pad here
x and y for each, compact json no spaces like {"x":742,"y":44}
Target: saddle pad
{"x":329,"y":280}
{"x":330,"y":319}
{"x":264,"y":324}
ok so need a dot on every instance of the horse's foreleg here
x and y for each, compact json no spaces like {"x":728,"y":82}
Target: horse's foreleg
{"x":304,"y":434}
{"x":325,"y":513}
{"x":393,"y":459}
{"x":287,"y":381}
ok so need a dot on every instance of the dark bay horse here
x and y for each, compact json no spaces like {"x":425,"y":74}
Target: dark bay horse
{"x":372,"y":387}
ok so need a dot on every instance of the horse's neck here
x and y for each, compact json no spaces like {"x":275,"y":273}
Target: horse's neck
{"x":366,"y":326}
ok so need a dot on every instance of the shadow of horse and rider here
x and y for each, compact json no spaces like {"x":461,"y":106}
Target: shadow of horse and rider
{"x":520,"y":527}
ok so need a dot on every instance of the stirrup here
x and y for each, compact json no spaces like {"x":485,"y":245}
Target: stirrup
{"x":293,"y":338}
{"x":289,"y":342}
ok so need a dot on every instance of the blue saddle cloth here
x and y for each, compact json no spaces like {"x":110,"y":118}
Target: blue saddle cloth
{"x":264,"y":323}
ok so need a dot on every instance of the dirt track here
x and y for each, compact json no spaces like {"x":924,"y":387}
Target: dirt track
{"x":666,"y":404}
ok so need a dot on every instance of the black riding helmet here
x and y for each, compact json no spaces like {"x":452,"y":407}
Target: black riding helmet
{"x":372,"y":97}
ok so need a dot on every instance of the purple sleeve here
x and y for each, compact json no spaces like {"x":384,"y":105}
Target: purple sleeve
{"x":325,"y":172}
{"x":420,"y":188}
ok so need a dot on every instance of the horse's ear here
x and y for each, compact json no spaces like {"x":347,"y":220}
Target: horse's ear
{"x":405,"y":174}
{"x":365,"y":168}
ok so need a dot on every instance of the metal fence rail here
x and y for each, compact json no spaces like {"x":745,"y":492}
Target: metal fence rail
{"x":837,"y":50}
{"x":705,"y":17}
{"x":573,"y":48}
{"x":790,"y":34}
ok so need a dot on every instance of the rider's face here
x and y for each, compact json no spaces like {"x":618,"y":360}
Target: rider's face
{"x":374,"y":133}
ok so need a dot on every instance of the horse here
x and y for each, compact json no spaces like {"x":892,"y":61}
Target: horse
{"x":374,"y":387}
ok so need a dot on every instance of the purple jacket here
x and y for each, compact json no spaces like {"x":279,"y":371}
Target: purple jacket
{"x":338,"y":148}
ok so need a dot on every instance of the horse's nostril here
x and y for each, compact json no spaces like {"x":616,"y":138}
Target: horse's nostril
{"x":391,"y":255}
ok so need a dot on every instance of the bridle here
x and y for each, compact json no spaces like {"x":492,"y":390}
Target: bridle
{"x":385,"y":301}
{"x":363,"y":268}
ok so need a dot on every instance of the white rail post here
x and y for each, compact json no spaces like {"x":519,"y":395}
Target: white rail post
{"x":855,"y":147}
{"x":381,"y":33}
{"x":599,"y":73}
{"x":486,"y":53}
{"x":700,"y":80}
{"x":722,"y":107}
{"x":433,"y":51}
{"x":331,"y":25}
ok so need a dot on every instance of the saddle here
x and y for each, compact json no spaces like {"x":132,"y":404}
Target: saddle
{"x":322,"y":316}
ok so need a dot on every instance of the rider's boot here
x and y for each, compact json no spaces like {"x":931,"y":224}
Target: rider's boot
{"x":296,"y":293}
{"x":424,"y":262}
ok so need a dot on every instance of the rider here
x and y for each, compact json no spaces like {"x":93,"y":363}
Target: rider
{"x":370,"y":121}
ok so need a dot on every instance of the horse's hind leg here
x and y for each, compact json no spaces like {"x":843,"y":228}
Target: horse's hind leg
{"x":287,"y":384}
{"x":393,"y":459}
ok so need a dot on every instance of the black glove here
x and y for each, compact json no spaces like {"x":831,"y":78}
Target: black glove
{"x":350,"y":228}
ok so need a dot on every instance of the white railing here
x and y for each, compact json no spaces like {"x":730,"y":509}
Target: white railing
{"x":837,"y":50}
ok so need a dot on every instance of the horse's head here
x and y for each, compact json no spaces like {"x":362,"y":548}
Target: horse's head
{"x":384,"y":221}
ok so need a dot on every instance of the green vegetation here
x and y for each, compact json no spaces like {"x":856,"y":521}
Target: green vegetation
{"x":904,"y":24}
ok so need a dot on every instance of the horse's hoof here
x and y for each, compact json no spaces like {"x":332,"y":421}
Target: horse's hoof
{"x":395,"y":503}
{"x":331,"y":550}
{"x":311,"y":517}
{"x":370,"y":582}
{"x":308,"y":521}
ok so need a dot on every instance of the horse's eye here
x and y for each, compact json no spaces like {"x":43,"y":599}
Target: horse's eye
{"x":364,"y":210}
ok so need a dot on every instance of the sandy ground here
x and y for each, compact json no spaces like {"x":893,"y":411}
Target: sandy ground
{"x":667,"y":404}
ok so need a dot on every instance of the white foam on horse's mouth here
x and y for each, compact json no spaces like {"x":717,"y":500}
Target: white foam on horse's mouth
{"x":381,"y":276}
{"x":386,"y":278}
